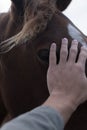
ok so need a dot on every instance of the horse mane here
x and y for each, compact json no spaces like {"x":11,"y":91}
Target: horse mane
{"x":37,"y":14}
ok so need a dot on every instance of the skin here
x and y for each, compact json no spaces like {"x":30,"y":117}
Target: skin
{"x":67,"y":94}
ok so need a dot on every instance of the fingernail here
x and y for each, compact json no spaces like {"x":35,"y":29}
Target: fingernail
{"x":84,"y":48}
{"x":53,"y":45}
{"x":75,"y":41}
{"x":64,"y":41}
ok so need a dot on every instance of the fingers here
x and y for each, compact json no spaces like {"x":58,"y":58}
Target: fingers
{"x":63,"y":51}
{"x":82,"y":57}
{"x":52,"y":57}
{"x":73,"y":51}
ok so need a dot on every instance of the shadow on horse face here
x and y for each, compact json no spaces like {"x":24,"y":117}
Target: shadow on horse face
{"x":24,"y":84}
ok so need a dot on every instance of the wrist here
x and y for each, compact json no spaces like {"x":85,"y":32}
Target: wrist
{"x":63,"y":104}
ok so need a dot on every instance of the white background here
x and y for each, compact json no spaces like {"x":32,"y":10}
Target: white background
{"x":77,"y":12}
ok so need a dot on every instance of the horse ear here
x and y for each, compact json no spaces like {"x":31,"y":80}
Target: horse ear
{"x":62,"y":4}
{"x":18,"y":4}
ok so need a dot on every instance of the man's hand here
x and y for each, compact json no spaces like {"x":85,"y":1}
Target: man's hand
{"x":67,"y":82}
{"x":68,"y":77}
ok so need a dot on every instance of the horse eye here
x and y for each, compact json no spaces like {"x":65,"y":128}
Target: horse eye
{"x":44,"y":55}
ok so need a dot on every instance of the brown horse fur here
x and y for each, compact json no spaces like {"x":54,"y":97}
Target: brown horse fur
{"x":15,"y":17}
{"x":28,"y":30}
{"x":37,"y":14}
{"x":12,"y":22}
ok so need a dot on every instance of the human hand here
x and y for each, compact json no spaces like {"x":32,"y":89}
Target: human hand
{"x":67,"y":82}
{"x":68,"y":77}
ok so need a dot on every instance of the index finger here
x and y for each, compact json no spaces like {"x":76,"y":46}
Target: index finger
{"x":52,"y":56}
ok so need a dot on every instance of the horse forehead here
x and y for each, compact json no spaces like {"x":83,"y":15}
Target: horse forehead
{"x":76,"y":34}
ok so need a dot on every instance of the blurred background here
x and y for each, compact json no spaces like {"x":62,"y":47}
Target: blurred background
{"x":77,"y":12}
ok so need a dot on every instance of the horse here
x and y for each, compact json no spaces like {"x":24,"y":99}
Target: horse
{"x":27,"y":32}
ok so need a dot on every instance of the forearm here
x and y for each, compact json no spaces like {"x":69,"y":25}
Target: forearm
{"x":41,"y":118}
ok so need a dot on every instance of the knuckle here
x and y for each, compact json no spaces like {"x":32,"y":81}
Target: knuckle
{"x":83,"y":54}
{"x":63,"y":54}
{"x":74,"y":43}
{"x":84,"y":49}
{"x":73,"y":49}
{"x":80,"y":67}
{"x":64,"y":51}
{"x":50,"y":70}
